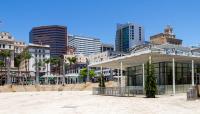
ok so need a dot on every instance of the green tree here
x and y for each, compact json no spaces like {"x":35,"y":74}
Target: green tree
{"x":55,"y":61}
{"x":47,"y":62}
{"x":17,"y":62}
{"x":6,"y":54}
{"x":72,"y":60}
{"x":92,"y":73}
{"x":102,"y":81}
{"x":1,"y":67}
{"x":26,"y":56}
{"x":83,"y":74}
{"x":150,"y":82}
{"x":38,"y":66}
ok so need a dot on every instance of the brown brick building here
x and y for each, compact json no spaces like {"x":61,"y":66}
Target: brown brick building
{"x":166,"y":37}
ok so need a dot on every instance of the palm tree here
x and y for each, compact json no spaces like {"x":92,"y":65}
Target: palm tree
{"x":1,"y":67}
{"x":17,"y":62}
{"x":6,"y":54}
{"x":55,"y":63}
{"x":72,"y":60}
{"x":27,"y":56}
{"x":38,"y":67}
{"x":47,"y":61}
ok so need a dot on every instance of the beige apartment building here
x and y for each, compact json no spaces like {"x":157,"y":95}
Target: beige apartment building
{"x":19,"y":47}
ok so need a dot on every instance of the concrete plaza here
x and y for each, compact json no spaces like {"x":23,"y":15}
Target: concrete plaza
{"x":83,"y":102}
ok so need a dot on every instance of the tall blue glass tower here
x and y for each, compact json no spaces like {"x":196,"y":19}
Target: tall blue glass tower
{"x":128,"y":36}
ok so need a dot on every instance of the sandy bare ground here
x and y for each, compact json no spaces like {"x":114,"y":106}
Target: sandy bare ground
{"x":83,"y":102}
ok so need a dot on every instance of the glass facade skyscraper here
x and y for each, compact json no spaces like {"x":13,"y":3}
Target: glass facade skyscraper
{"x":128,"y":36}
{"x":54,"y":35}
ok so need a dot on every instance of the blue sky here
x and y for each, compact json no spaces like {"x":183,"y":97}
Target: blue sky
{"x":98,"y":18}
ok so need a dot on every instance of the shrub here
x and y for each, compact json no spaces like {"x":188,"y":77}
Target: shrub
{"x":150,"y":82}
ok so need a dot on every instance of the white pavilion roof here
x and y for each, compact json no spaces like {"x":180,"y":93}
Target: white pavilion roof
{"x":157,"y":54}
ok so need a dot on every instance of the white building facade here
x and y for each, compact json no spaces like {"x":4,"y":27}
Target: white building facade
{"x":105,"y":56}
{"x":84,"y":45}
{"x":7,"y":43}
{"x":39,"y":53}
{"x":19,"y":47}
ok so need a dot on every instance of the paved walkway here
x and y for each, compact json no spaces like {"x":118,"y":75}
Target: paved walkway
{"x":82,"y":102}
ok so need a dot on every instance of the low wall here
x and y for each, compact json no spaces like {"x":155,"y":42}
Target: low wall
{"x":179,"y":88}
{"x":67,"y":87}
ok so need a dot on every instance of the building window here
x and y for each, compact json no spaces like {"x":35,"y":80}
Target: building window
{"x":9,"y":46}
{"x":140,"y":37}
{"x":132,"y":27}
{"x":3,"y":45}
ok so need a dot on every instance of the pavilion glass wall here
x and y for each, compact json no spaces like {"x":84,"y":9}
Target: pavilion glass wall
{"x":163,"y":73}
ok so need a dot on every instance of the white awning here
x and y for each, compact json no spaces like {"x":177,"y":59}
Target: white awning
{"x":52,"y":76}
{"x":140,"y":58}
{"x":72,"y":75}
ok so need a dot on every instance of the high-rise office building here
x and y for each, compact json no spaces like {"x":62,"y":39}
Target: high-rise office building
{"x":54,"y":35}
{"x":107,"y":47}
{"x":85,"y":45}
{"x":128,"y":36}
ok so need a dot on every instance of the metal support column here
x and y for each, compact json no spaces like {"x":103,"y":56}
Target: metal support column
{"x":192,"y":72}
{"x":143,"y":77}
{"x":173,"y":70}
{"x":101,"y":70}
{"x":63,"y":68}
{"x":118,"y":77}
{"x":150,"y":60}
{"x":121,"y":71}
